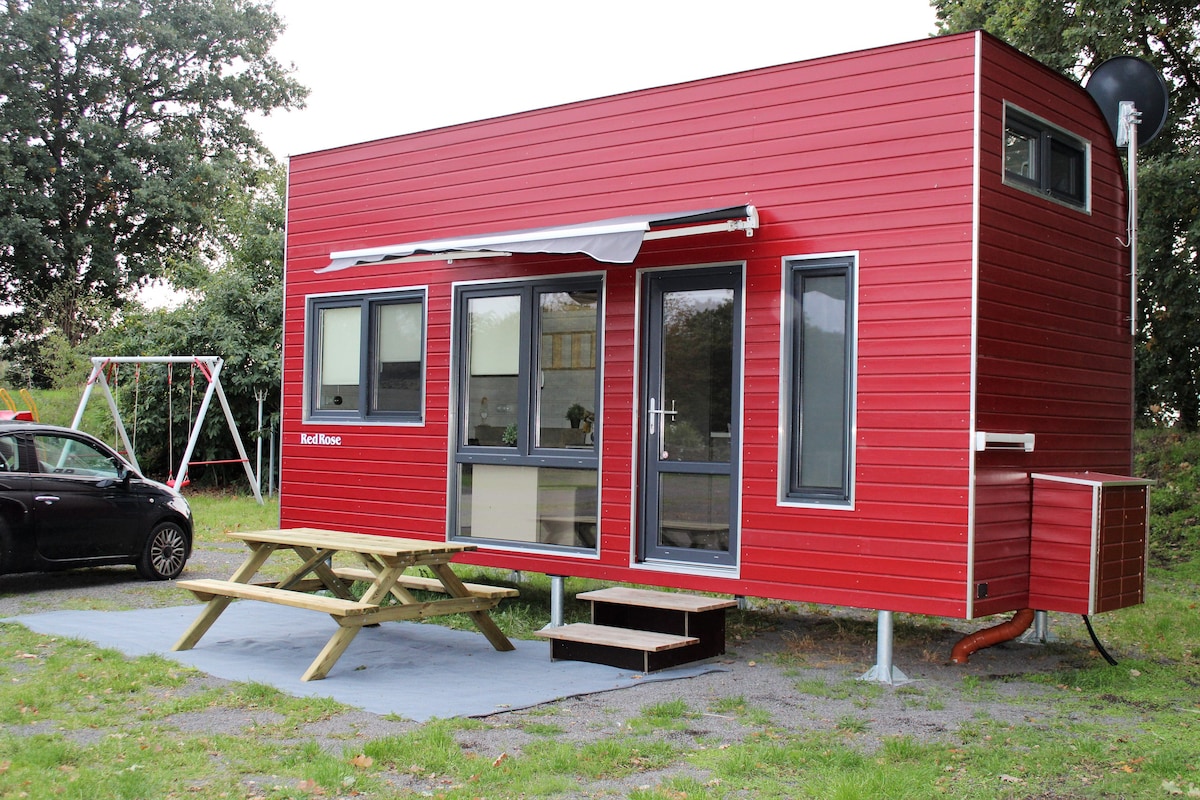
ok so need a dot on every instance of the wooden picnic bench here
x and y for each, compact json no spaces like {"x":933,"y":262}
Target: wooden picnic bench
{"x":382,"y":561}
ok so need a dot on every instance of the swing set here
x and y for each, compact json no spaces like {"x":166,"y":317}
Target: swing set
{"x":105,"y":374}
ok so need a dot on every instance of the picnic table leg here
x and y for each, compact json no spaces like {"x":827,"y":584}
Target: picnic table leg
{"x":330,"y":653}
{"x":483,"y":620}
{"x":385,"y":580}
{"x":315,"y":561}
{"x":378,"y":566}
{"x":214,"y":607}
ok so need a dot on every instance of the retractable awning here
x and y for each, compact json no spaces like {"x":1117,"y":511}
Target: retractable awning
{"x":613,"y":241}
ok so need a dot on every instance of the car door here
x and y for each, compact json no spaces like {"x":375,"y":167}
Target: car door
{"x":82,"y":509}
{"x":16,"y":538}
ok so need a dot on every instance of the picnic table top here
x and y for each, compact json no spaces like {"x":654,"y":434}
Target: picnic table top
{"x":351,"y":542}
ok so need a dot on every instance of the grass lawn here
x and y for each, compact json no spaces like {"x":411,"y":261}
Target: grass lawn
{"x":81,"y":722}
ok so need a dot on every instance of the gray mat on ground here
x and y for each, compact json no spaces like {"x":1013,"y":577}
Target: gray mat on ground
{"x":418,"y":671}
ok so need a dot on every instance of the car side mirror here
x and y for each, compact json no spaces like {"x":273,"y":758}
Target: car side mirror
{"x":123,"y":476}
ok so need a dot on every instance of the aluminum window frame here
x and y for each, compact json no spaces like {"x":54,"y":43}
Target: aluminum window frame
{"x":1048,"y":140}
{"x":792,"y":488}
{"x":367,"y":303}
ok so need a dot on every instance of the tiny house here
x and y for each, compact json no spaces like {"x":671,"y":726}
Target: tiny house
{"x":852,"y":331}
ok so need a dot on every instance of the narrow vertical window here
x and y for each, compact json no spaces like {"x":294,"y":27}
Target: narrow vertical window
{"x":396,"y":360}
{"x":566,"y":384}
{"x":493,"y":341}
{"x":820,"y":372}
{"x":340,"y":334}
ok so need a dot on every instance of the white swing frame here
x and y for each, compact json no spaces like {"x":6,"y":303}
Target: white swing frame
{"x":211,"y":367}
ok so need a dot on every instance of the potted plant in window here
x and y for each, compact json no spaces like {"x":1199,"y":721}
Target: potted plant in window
{"x":575,"y":414}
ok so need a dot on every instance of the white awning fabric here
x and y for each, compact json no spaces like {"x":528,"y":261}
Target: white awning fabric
{"x":612,"y":241}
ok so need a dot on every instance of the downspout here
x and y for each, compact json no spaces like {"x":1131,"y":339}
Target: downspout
{"x":987,"y":637}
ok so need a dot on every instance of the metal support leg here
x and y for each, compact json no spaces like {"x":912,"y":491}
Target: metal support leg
{"x":1039,"y":632}
{"x":556,"y":601}
{"x":883,"y":671}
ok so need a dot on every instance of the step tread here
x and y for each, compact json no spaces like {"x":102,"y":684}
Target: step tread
{"x":648,"y":598}
{"x":625,"y":638}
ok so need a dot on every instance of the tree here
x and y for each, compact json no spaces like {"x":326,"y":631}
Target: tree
{"x":122,"y":125}
{"x":1074,"y":38}
{"x":235,"y":311}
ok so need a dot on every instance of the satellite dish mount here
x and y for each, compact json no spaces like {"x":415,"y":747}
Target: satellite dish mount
{"x":1132,"y":95}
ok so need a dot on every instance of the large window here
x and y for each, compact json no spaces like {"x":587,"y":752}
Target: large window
{"x":1041,"y":158}
{"x":366,"y":357}
{"x":528,"y":396}
{"x":820,"y":377}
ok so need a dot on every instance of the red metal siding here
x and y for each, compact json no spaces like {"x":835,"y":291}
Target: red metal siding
{"x":870,"y":153}
{"x":1089,"y":545}
{"x":1054,"y":353}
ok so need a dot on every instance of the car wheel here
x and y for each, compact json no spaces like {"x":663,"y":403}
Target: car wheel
{"x":165,"y":553}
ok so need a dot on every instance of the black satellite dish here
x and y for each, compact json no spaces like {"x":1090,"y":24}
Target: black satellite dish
{"x":1126,"y":78}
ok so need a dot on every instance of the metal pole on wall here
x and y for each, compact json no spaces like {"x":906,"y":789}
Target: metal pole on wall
{"x":260,"y":396}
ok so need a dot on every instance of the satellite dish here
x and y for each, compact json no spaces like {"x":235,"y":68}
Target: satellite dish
{"x":1126,"y":78}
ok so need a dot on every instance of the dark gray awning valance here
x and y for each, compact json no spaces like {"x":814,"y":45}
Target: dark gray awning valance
{"x":613,"y":241}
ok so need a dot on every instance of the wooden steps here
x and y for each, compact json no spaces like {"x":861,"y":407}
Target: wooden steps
{"x":643,"y":629}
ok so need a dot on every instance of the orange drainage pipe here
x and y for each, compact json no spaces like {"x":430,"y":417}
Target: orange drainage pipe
{"x":987,"y":637}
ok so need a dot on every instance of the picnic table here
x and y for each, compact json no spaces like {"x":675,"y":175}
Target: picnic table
{"x":382,"y":562}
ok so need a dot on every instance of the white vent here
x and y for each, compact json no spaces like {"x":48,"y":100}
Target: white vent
{"x":1004,"y":441}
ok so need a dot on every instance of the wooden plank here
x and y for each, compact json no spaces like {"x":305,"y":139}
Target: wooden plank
{"x":624,"y":638}
{"x":391,"y":546}
{"x":426,"y":584}
{"x":673,"y":601}
{"x":206,"y":589}
{"x":433,"y":608}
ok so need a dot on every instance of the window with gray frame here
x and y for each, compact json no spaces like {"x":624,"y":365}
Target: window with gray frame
{"x":366,"y":357}
{"x":819,"y":374}
{"x":528,"y":393}
{"x":1044,"y":159}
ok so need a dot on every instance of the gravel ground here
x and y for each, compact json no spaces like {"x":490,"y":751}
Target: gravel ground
{"x":797,"y":669}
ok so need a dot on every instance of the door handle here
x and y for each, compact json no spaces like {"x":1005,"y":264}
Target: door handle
{"x":654,"y":413}
{"x":48,"y":499}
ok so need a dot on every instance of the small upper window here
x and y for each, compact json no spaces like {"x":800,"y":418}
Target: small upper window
{"x":366,"y":356}
{"x":1041,"y":158}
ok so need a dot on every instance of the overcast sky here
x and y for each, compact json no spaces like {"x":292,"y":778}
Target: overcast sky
{"x":379,"y":68}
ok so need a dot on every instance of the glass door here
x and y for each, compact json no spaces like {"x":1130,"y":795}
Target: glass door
{"x":691,"y":407}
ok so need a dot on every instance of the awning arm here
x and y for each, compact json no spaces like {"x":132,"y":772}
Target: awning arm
{"x":749,"y":225}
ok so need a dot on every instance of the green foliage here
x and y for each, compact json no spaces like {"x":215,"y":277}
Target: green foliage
{"x":1074,"y":38}
{"x":122,"y":128}
{"x":1172,"y":461}
{"x":237,"y":314}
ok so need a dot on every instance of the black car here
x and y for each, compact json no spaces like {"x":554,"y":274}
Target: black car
{"x":67,"y":500}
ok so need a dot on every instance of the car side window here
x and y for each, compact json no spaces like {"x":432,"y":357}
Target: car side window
{"x":63,"y":455}
{"x":9,"y":454}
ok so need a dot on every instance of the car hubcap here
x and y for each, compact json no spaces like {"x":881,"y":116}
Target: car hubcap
{"x":167,"y":552}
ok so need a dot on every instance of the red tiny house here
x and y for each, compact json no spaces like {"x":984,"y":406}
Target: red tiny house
{"x":856,"y":325}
